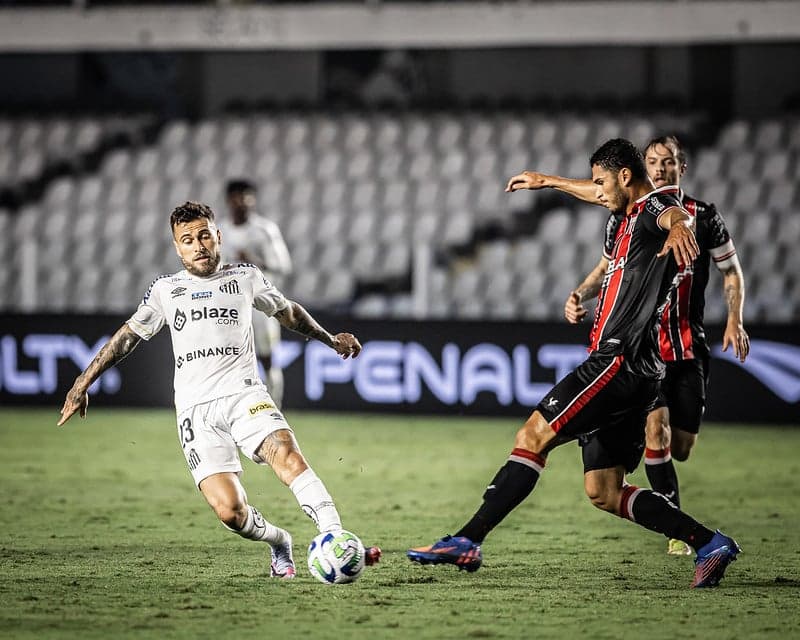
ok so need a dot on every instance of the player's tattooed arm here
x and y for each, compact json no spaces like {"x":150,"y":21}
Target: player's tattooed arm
{"x":733,"y":287}
{"x":297,"y":319}
{"x":120,"y":345}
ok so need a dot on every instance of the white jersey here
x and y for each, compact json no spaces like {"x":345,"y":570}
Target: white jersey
{"x":210,"y":322}
{"x":262,"y":239}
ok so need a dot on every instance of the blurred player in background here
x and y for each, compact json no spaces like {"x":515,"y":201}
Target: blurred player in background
{"x":254,"y":239}
{"x":220,"y":401}
{"x":604,"y":402}
{"x":672,"y":427}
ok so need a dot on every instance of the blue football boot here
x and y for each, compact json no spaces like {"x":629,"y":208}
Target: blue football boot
{"x":459,"y":551}
{"x":712,"y":560}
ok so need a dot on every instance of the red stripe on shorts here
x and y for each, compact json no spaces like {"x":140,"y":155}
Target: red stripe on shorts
{"x":583,"y":398}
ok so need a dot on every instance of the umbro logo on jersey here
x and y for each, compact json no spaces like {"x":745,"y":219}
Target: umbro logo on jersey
{"x":178,"y":291}
{"x":179,"y":322}
{"x":231,"y":287}
{"x":201,"y":295}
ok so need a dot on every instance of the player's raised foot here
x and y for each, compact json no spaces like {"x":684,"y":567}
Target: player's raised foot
{"x":678,"y":548}
{"x":282,"y":565}
{"x":713,"y":559}
{"x":372,"y":556}
{"x":460,"y":551}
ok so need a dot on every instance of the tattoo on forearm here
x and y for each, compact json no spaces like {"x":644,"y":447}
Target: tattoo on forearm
{"x":307,"y":326}
{"x":121,"y":344}
{"x":733,"y":288}
{"x":732,"y":296}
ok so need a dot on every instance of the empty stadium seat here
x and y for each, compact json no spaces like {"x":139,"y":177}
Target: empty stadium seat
{"x":734,"y":136}
{"x":768,"y":135}
{"x":354,"y":192}
{"x":708,"y":166}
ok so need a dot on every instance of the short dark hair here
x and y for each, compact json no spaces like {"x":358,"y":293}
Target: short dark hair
{"x":189,"y":211}
{"x":239,"y":186}
{"x":618,"y":154}
{"x":666,"y":141}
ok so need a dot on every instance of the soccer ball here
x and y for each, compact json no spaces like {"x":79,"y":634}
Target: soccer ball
{"x":336,"y":557}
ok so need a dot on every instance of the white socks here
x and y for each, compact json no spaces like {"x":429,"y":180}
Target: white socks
{"x":315,"y":500}
{"x":257,"y":528}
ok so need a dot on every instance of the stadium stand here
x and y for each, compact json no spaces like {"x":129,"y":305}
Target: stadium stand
{"x":357,"y":193}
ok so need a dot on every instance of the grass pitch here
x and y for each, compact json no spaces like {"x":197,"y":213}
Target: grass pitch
{"x":104,"y":535}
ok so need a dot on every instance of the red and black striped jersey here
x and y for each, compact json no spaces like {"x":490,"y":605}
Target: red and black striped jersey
{"x":635,"y":286}
{"x":682,"y":332}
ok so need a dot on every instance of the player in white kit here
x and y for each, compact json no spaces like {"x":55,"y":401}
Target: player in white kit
{"x":221,"y":403}
{"x":250,"y":237}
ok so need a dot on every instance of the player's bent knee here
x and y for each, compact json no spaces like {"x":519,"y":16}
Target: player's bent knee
{"x":681,"y":452}
{"x":232,"y":516}
{"x":604,"y":488}
{"x":602,"y":498}
{"x":682,"y":444}
{"x":535,"y":435}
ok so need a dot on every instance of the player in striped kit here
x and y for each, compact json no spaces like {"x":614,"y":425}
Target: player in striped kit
{"x":221,"y":404}
{"x":672,"y":427}
{"x":605,"y":400}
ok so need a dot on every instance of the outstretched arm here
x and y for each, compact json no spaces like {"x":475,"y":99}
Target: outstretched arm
{"x":574,"y":311}
{"x":581,"y":189}
{"x":296,"y":318}
{"x":120,"y":345}
{"x":733,"y":286}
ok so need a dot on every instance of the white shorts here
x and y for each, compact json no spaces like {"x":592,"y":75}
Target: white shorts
{"x":210,"y":432}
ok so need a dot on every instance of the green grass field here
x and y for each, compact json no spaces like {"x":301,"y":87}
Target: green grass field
{"x":104,"y":535}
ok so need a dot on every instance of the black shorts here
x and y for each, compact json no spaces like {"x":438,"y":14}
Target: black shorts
{"x":683,"y":392}
{"x":604,"y":406}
